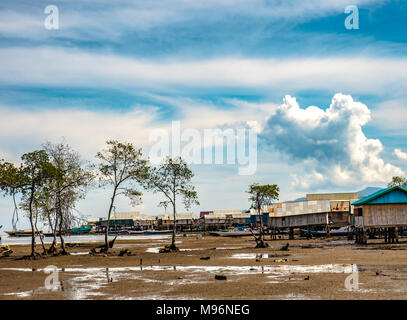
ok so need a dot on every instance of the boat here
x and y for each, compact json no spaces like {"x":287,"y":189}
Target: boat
{"x":22,"y":233}
{"x":343,"y":231}
{"x":158,"y":232}
{"x":234,"y":233}
{"x":136,"y":232}
{"x":81,"y":230}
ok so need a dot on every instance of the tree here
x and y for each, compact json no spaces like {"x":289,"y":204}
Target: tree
{"x":72,"y":177}
{"x":173,"y":179}
{"x":261,"y":195}
{"x":397,"y":181}
{"x":28,"y":179}
{"x":10,"y":185}
{"x":121,"y":167}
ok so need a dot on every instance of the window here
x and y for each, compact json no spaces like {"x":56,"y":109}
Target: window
{"x":358,"y":212}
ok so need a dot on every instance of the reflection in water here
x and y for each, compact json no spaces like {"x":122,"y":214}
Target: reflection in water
{"x":87,"y":283}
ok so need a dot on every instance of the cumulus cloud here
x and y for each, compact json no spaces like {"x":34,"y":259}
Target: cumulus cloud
{"x":400,"y":154}
{"x":331,"y":141}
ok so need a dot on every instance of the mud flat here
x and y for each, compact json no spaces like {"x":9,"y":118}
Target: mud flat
{"x":310,"y":269}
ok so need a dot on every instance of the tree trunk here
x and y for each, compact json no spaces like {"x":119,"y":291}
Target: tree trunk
{"x":108,"y":220}
{"x":174,"y":228}
{"x":60,"y":235}
{"x":32,"y":226}
{"x":44,"y":250}
{"x":260,"y":240}
{"x":261,"y":226}
{"x":54,"y":233}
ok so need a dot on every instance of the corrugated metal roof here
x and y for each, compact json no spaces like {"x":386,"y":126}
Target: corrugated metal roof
{"x":385,"y":196}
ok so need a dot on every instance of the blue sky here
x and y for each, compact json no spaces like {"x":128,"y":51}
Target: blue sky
{"x":124,"y":68}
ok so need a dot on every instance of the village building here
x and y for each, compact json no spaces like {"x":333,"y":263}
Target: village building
{"x":384,"y":211}
{"x":184,"y":221}
{"x":322,"y":211}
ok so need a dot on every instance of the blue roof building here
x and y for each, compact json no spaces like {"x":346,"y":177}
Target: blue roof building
{"x":385,"y":209}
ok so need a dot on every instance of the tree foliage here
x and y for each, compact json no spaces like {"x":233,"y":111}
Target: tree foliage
{"x":172,"y":179}
{"x":397,"y":181}
{"x":262,"y":195}
{"x":122,"y":167}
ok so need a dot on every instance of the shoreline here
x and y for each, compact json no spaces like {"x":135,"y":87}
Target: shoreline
{"x":189,"y":274}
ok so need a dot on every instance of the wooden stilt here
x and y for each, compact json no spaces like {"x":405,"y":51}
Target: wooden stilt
{"x":291,"y":234}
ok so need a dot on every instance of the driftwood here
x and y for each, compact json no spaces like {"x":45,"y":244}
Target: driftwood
{"x":285,"y":247}
{"x":124,"y":252}
{"x":5,"y":251}
{"x":102,"y":248}
{"x":168,"y":249}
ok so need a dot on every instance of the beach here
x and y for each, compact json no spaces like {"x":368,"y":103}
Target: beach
{"x":309,"y":269}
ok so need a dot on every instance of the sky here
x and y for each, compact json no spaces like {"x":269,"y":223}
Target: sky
{"x":327,"y":103}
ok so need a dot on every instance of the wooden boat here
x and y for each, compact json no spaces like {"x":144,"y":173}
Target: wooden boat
{"x":81,"y":230}
{"x":344,"y":231}
{"x":22,"y":233}
{"x":135,"y":232}
{"x":234,"y":233}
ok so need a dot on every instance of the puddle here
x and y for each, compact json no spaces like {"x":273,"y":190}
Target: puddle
{"x":237,"y":270}
{"x":87,"y":283}
{"x":293,"y":296}
{"x":249,"y":256}
{"x":157,"y":249}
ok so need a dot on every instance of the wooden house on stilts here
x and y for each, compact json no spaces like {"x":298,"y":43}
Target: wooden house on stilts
{"x":383,"y":212}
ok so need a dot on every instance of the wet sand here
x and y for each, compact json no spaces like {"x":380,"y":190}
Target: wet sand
{"x":310,"y":269}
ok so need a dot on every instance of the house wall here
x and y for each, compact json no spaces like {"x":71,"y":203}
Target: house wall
{"x":298,"y":220}
{"x":286,"y":209}
{"x":333,"y":196}
{"x":383,"y":215}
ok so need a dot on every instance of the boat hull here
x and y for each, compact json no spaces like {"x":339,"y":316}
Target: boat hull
{"x":233,"y":234}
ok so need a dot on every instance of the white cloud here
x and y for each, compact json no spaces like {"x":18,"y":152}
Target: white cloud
{"x":332,"y":140}
{"x":56,"y":67}
{"x":87,"y":130}
{"x":98,"y":19}
{"x":400,"y":154}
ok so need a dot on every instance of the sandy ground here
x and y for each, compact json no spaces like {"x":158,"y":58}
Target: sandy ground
{"x":310,"y":269}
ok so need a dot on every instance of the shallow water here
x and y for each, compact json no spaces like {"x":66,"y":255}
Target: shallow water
{"x":81,"y":239}
{"x":88,"y":283}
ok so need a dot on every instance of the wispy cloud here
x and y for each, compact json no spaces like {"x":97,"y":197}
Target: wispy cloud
{"x":100,"y":18}
{"x":57,"y":67}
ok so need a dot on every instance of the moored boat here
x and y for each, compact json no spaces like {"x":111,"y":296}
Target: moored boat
{"x":234,"y":233}
{"x":22,"y":233}
{"x":81,"y":230}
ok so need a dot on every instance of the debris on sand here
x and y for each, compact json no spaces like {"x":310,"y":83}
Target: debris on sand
{"x":124,"y":252}
{"x":168,"y":249}
{"x":204,"y":258}
{"x":5,"y":251}
{"x":306,"y":278}
{"x":220,"y":277}
{"x":285,"y":247}
{"x":281,"y":260}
